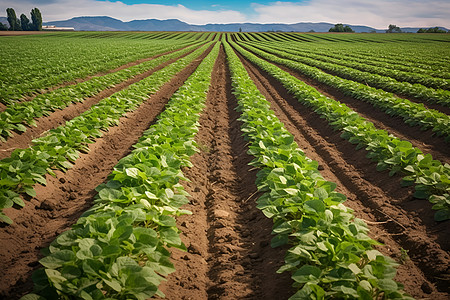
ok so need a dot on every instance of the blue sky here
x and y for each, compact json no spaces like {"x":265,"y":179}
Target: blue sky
{"x":202,"y":4}
{"x":378,"y":14}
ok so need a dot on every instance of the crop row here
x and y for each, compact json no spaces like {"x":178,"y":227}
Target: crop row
{"x":408,"y":76}
{"x":416,"y":91}
{"x":412,"y":50}
{"x":23,"y":113}
{"x":40,"y":66}
{"x":367,"y":63}
{"x":422,"y":58}
{"x":331,"y":255}
{"x":62,"y":145}
{"x":117,"y":249}
{"x":431,"y":177}
{"x":413,"y":114}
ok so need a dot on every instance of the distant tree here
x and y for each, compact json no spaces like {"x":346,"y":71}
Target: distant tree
{"x":3,"y":27}
{"x":340,"y":28}
{"x":393,"y":29}
{"x":431,"y":30}
{"x":25,"y":23}
{"x":240,"y":29}
{"x":312,"y":30}
{"x":36,"y":18}
{"x":18,"y":25}
{"x":12,"y":19}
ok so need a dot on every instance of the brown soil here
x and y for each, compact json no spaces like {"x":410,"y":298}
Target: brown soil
{"x":424,"y":140}
{"x":435,"y":106}
{"x":438,"y":107}
{"x":14,"y":33}
{"x":228,"y":238}
{"x":59,"y":117}
{"x":395,"y":218}
{"x":63,"y":200}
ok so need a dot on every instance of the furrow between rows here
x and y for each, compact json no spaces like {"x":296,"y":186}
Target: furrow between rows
{"x":59,"y":204}
{"x":229,"y":256}
{"x":399,"y":221}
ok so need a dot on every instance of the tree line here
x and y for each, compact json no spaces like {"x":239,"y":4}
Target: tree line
{"x":16,"y":24}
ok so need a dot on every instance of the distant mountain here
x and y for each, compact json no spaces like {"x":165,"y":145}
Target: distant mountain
{"x":111,"y":24}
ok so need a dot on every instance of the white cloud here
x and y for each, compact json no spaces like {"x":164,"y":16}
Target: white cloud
{"x":66,"y":9}
{"x":379,"y":14}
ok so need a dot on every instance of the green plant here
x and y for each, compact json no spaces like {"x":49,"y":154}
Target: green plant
{"x":118,"y":248}
{"x":331,"y":255}
{"x":431,"y":177}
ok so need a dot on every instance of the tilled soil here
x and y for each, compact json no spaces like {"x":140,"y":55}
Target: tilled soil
{"x":375,"y":197}
{"x":59,"y":117}
{"x":426,"y":141}
{"x":60,"y":203}
{"x":227,"y":237}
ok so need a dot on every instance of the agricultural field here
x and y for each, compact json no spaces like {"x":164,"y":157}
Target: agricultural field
{"x":224,"y":166}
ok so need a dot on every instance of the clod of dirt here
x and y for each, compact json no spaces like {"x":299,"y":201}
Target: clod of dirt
{"x":194,"y":249}
{"x":426,"y":288}
{"x":46,"y":205}
{"x":218,"y":213}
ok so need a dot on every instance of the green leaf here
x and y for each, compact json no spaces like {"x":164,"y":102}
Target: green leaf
{"x":114,"y":284}
{"x":306,"y":273}
{"x":57,"y":259}
{"x":132,"y":172}
{"x":110,"y":194}
{"x":316,"y":206}
{"x":279,"y":240}
{"x":5,"y":219}
{"x":32,"y":297}
{"x":388,"y":285}
{"x":21,"y":127}
{"x":442,"y":215}
{"x":30,"y":191}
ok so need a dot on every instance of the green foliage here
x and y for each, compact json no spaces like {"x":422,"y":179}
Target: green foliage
{"x":3,"y":27}
{"x":414,"y":114}
{"x":431,"y":30}
{"x":118,"y":248}
{"x":336,"y":64}
{"x":393,"y":29}
{"x":431,"y":177}
{"x":62,"y":145}
{"x":331,"y":255}
{"x":77,"y":57}
{"x":25,"y":23}
{"x":341,"y":28}
{"x":36,"y":19}
{"x":23,"y":113}
{"x":12,"y":19}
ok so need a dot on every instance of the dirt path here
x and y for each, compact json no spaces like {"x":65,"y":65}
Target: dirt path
{"x":374,"y":196}
{"x":229,"y":256}
{"x":59,"y":117}
{"x":65,"y":198}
